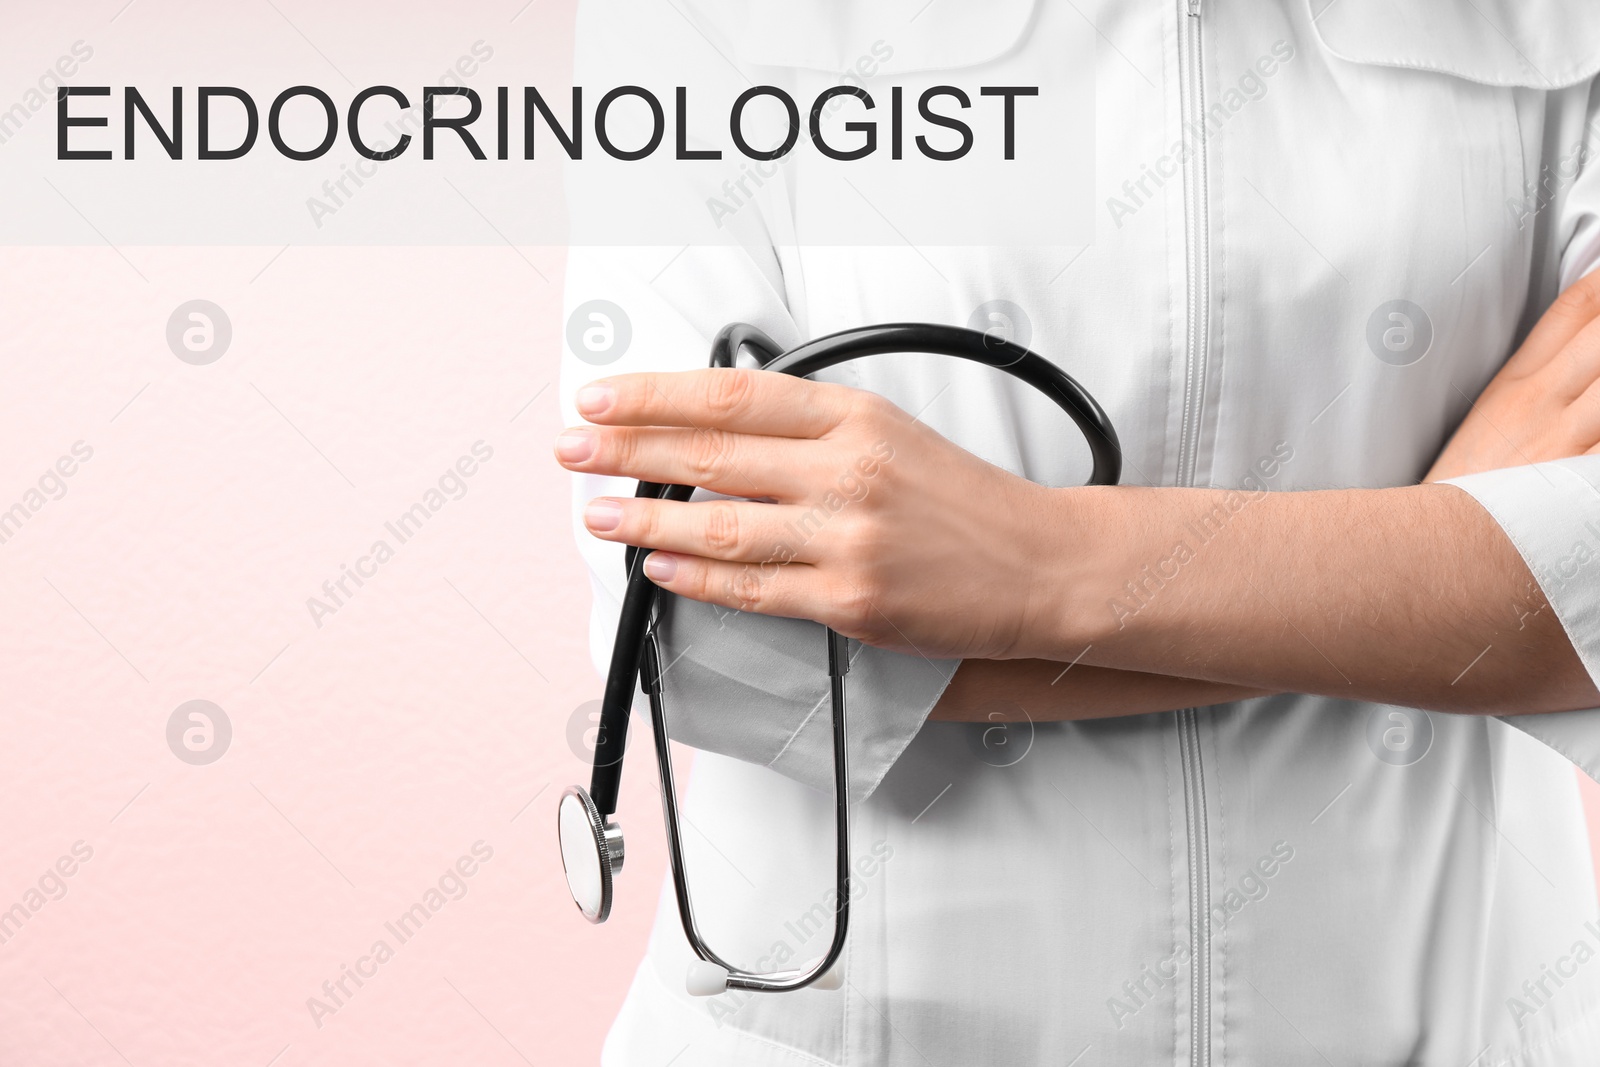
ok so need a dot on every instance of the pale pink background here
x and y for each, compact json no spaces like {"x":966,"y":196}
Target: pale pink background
{"x":431,"y":712}
{"x":369,"y":754}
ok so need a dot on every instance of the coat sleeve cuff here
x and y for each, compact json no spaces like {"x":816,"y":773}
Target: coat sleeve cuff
{"x":1551,"y":513}
{"x":756,"y":688}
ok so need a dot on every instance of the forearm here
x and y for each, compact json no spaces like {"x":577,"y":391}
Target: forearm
{"x":1043,"y":691}
{"x":1409,"y":596}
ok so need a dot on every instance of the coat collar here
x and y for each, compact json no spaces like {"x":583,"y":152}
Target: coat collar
{"x":1538,"y":44}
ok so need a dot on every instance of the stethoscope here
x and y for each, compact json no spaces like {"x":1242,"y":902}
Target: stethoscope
{"x":591,"y":842}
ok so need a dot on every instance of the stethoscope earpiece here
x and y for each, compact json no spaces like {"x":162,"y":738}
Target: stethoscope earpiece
{"x":706,"y":979}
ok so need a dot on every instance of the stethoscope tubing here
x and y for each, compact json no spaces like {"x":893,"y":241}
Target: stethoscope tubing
{"x":636,"y":657}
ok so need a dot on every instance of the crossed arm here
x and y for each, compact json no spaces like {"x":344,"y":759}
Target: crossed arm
{"x":1405,"y":596}
{"x":1409,"y":596}
{"x":1544,"y":404}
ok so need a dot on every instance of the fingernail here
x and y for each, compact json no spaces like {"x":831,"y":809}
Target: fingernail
{"x":602,"y":515}
{"x":575,"y":446}
{"x":660,"y":567}
{"x":595,"y":398}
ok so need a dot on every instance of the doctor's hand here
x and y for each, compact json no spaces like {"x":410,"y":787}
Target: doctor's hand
{"x":1544,"y":403}
{"x":855,"y":515}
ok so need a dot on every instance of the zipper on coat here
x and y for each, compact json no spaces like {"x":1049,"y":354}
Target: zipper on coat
{"x":1197,"y":240}
{"x":1197,"y":228}
{"x":1198,"y":834}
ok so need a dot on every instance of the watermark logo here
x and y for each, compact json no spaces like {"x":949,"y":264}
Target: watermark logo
{"x":1399,"y":736}
{"x":1252,"y":887}
{"x":1536,"y":991}
{"x":1140,"y":591}
{"x":1004,"y":735}
{"x":850,"y":488}
{"x":1000,"y":321}
{"x":51,"y":886}
{"x":1399,"y":333}
{"x":199,"y":732}
{"x":1539,"y":193}
{"x":598,"y":332}
{"x":451,"y":485}
{"x":452,"y":884}
{"x":809,"y":927}
{"x":1250,"y":86}
{"x":51,"y":485}
{"x":199,"y":332}
{"x":38,"y":95}
{"x":338,"y":192}
{"x":585,"y":731}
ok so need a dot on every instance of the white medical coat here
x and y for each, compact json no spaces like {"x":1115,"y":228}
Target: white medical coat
{"x":1283,"y":880}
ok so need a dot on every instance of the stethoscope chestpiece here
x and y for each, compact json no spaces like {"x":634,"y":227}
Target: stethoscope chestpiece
{"x":591,"y":853}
